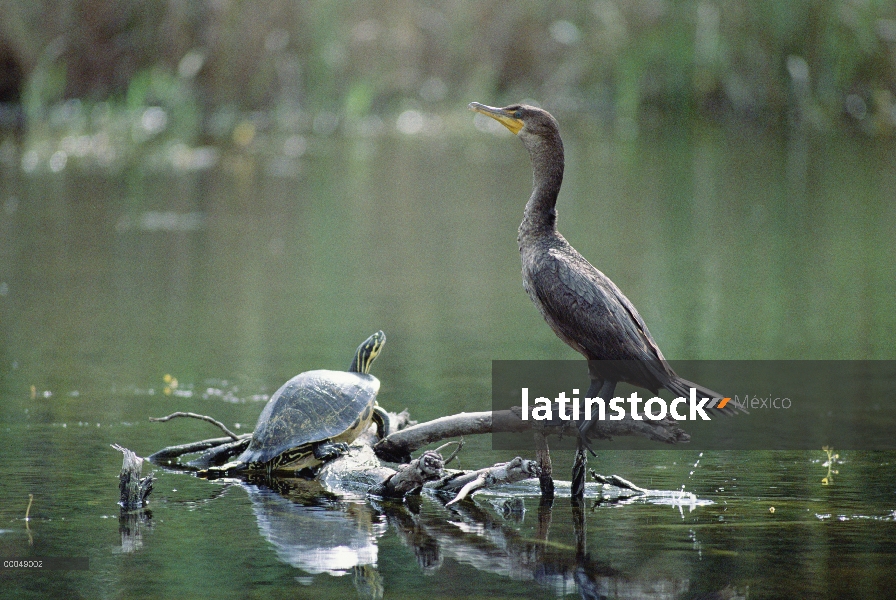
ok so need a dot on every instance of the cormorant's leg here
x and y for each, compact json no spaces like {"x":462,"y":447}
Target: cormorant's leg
{"x":605,"y":391}
{"x":598,"y":389}
{"x":580,"y":463}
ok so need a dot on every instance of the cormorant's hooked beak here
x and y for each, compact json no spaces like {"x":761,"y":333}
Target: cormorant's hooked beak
{"x":500,"y":115}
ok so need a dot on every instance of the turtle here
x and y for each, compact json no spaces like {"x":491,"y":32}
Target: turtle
{"x":314,"y":416}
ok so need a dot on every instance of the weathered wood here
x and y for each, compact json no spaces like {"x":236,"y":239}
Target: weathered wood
{"x":617,"y":481}
{"x":460,"y":446}
{"x":133,"y":491}
{"x":428,"y":468}
{"x":546,"y":470}
{"x":219,"y":455}
{"x":409,"y":478}
{"x":216,"y":451}
{"x":399,"y":446}
{"x":399,"y":421}
{"x":465,"y":483}
{"x":167,"y":455}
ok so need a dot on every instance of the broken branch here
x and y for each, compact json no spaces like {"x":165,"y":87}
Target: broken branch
{"x":171,"y":452}
{"x":399,"y":446}
{"x":133,"y":491}
{"x":465,"y":483}
{"x":411,"y":477}
{"x":232,"y":435}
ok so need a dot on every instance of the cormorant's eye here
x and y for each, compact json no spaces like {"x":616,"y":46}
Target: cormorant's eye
{"x":518,"y":114}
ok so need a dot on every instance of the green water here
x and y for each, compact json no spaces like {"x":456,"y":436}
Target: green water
{"x":733,"y":245}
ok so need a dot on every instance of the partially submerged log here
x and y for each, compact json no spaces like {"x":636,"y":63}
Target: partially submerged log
{"x":410,"y":477}
{"x":398,"y":446}
{"x":545,"y":468}
{"x":361,"y":472}
{"x":170,"y":454}
{"x":465,"y":483}
{"x":133,"y":490}
{"x":617,"y":481}
{"x":221,"y":454}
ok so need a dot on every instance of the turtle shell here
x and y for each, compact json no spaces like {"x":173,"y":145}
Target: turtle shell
{"x":313,"y":407}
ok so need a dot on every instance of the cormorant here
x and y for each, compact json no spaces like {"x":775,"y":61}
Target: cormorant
{"x":583,"y":307}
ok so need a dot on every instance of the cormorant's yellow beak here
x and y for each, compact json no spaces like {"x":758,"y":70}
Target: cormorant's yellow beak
{"x":500,"y":115}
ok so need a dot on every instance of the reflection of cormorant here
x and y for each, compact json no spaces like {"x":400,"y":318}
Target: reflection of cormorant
{"x":583,"y":307}
{"x":12,"y":80}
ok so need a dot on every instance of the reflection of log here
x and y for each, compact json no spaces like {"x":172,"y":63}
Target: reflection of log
{"x":133,"y":490}
{"x":471,"y":534}
{"x":131,"y":524}
{"x":399,"y":446}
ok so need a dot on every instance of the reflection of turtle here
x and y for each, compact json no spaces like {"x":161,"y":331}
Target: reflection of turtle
{"x":314,"y":416}
{"x":314,"y":533}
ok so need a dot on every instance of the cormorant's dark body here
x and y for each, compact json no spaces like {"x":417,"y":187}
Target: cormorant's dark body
{"x":583,"y":307}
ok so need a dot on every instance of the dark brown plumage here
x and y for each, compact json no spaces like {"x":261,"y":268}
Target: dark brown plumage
{"x":583,"y":307}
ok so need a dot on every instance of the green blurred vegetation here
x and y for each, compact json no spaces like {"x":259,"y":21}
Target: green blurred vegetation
{"x":216,"y":71}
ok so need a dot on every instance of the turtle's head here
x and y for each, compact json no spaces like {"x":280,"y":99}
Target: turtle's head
{"x":367,"y":352}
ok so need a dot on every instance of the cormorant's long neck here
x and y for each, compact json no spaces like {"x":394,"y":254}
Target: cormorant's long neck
{"x":546,"y":153}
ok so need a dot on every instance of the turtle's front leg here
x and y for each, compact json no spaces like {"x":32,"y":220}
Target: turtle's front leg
{"x":328,"y":450}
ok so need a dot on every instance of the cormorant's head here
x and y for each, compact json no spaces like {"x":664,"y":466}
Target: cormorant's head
{"x":521,"y":119}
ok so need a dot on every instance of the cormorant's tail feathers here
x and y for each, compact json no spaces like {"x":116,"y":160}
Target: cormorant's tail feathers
{"x":682,"y":387}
